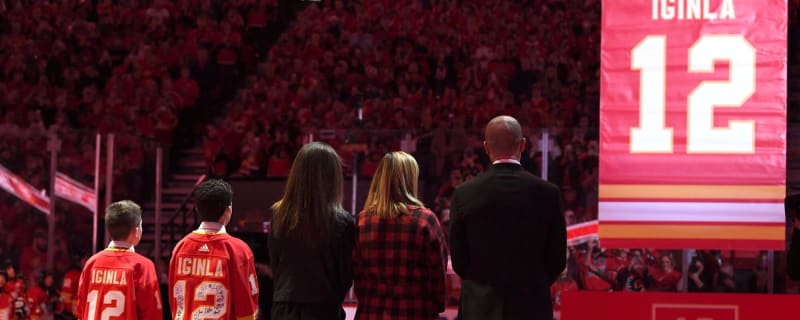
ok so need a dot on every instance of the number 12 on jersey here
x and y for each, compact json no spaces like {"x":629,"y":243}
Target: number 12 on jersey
{"x":203,"y":293}
{"x":702,"y":137}
{"x":113,"y":303}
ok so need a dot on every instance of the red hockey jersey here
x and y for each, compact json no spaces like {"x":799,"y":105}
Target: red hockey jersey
{"x":212,"y":276}
{"x":118,"y":284}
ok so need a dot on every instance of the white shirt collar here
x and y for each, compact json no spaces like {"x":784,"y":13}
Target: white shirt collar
{"x":211,"y":227}
{"x":515,"y":161}
{"x":121,"y":245}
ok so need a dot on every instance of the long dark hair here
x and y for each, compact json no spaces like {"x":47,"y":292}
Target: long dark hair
{"x":313,"y":195}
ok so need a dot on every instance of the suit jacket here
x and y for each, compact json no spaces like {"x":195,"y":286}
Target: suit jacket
{"x":793,"y":256}
{"x":508,"y":244}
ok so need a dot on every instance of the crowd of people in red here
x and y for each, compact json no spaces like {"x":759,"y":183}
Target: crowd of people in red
{"x":45,"y":295}
{"x":379,"y":71}
{"x":422,"y":77}
{"x":135,"y":68}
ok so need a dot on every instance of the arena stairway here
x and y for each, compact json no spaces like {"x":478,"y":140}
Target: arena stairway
{"x":178,"y":185}
{"x":177,"y":214}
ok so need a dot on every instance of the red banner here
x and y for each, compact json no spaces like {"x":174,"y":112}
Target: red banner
{"x":582,"y":305}
{"x":21,"y":189}
{"x":693,"y":124}
{"x":581,"y":232}
{"x":75,"y":191}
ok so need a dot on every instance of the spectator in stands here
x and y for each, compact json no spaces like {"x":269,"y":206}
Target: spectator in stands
{"x":311,"y":239}
{"x":727,"y":280}
{"x":617,"y":261}
{"x":762,"y":275}
{"x":33,"y":258}
{"x":699,"y":279}
{"x":69,"y":285}
{"x":667,"y":278}
{"x":635,"y":277}
{"x":569,"y":216}
{"x":6,"y":300}
{"x":408,"y":144}
{"x":398,"y":238}
{"x":370,"y":164}
{"x":9,"y":129}
{"x":563,"y":284}
{"x":19,"y":292}
{"x":187,"y":88}
{"x":44,"y":297}
{"x":470,"y":167}
{"x":279,"y":163}
{"x":443,"y":197}
{"x":596,"y":277}
{"x":11,"y":276}
{"x":570,"y":200}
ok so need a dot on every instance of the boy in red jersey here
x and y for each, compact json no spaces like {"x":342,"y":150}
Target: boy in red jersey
{"x":212,"y":274}
{"x":116,"y":282}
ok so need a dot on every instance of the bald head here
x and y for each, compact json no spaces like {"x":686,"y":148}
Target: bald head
{"x":504,"y":138}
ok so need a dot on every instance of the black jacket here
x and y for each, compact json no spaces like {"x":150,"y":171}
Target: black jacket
{"x":320,"y":275}
{"x":793,"y":256}
{"x":508,"y":244}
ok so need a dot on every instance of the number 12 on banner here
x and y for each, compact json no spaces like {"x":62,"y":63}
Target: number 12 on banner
{"x":653,"y":136}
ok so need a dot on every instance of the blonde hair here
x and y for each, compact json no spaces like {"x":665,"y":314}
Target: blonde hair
{"x":394,"y":186}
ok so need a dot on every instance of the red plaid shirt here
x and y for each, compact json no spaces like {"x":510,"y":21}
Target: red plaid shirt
{"x":399,"y":266}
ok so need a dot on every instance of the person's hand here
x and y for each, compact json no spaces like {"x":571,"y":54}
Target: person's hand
{"x":699,"y":266}
{"x":592,"y":244}
{"x":263,"y":269}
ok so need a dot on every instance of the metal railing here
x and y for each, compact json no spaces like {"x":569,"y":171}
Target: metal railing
{"x":178,"y":224}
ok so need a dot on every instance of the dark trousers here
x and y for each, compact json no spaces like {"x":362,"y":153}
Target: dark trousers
{"x":306,"y":311}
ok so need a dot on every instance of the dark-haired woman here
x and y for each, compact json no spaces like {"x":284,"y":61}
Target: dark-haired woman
{"x":311,"y":239}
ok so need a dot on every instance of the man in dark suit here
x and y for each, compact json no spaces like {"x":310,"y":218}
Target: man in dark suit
{"x":507,"y":234}
{"x":793,"y":254}
{"x":792,"y":207}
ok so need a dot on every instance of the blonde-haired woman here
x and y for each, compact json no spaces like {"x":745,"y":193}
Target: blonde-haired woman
{"x":400,"y":259}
